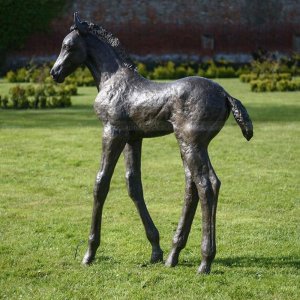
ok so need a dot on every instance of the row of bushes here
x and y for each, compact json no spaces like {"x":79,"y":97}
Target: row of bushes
{"x":223,"y":69}
{"x":35,"y":74}
{"x":169,"y":70}
{"x":83,"y":77}
{"x":271,"y":82}
{"x":271,"y":85}
{"x":31,"y":74}
{"x":208,"y":70}
{"x":262,"y":75}
{"x":270,"y":66}
{"x":270,"y":76}
{"x":38,"y":96}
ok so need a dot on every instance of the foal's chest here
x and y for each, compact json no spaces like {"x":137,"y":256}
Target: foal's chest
{"x":110,"y":105}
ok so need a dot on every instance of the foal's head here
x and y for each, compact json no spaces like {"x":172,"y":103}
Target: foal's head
{"x":73,"y":52}
{"x":77,"y":43}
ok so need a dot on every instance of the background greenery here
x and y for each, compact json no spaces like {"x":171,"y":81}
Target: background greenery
{"x":267,"y":74}
{"x":49,"y":160}
{"x":20,"y":18}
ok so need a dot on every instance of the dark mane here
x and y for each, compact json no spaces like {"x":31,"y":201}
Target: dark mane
{"x":111,"y":40}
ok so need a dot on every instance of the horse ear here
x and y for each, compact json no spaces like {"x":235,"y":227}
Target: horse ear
{"x":82,"y":27}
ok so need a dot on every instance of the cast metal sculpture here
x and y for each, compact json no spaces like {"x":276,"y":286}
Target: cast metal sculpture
{"x":132,"y":108}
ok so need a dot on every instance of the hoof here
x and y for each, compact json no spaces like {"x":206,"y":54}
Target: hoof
{"x":87,"y":259}
{"x":204,"y":268}
{"x":172,"y":260}
{"x":157,"y":256}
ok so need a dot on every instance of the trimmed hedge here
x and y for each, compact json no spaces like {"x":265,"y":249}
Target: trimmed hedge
{"x":81,"y":77}
{"x":269,"y":85}
{"x":265,"y":70}
{"x":38,"y":96}
{"x":170,"y":71}
{"x":271,"y":75}
{"x":41,"y":74}
{"x":33,"y":74}
{"x":275,"y":77}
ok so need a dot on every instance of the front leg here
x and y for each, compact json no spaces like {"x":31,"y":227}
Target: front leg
{"x":132,"y":154}
{"x":113,"y":142}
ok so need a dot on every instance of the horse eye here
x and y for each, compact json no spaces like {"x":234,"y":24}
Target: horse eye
{"x":66,"y":47}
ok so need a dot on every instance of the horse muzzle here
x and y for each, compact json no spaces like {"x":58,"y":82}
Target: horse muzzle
{"x":57,"y":75}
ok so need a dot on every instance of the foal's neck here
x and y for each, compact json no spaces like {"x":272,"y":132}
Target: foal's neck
{"x":102,"y":61}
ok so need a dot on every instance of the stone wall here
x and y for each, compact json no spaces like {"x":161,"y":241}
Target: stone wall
{"x":190,"y":27}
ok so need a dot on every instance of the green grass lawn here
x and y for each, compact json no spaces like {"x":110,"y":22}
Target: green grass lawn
{"x":48,"y":162}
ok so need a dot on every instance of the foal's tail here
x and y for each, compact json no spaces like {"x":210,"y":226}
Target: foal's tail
{"x":241,"y":116}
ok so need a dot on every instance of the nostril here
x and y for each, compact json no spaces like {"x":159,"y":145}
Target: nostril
{"x":53,"y":74}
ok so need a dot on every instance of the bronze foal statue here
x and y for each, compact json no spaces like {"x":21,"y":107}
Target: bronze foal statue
{"x":132,"y":108}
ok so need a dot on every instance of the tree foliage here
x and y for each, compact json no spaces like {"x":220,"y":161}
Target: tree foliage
{"x":22,"y":17}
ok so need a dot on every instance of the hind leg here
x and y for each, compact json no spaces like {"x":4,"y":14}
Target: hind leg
{"x":207,"y":184}
{"x":209,"y":252}
{"x":186,"y":219}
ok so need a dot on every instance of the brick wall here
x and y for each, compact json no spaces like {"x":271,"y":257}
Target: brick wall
{"x":200,"y":27}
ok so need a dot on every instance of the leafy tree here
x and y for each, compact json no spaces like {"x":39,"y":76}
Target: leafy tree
{"x":20,"y":18}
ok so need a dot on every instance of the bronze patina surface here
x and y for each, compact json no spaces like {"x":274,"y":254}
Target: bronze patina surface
{"x":132,"y":108}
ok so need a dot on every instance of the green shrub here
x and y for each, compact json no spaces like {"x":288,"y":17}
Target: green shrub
{"x":248,"y":77}
{"x":30,"y":90}
{"x":164,"y":72}
{"x":211,"y":72}
{"x":270,"y":75}
{"x":190,"y":71}
{"x":34,"y":74}
{"x":70,"y":89}
{"x":38,"y":74}
{"x":11,"y":76}
{"x":22,"y":75}
{"x":81,"y":77}
{"x":18,"y":97}
{"x":242,"y":70}
{"x":59,"y":101}
{"x":170,"y":71}
{"x":226,"y":72}
{"x":180,"y":72}
{"x":282,"y":85}
{"x":271,"y":85}
{"x":142,"y":69}
{"x":201,"y":72}
{"x":39,"y":96}
{"x":286,"y":76}
{"x":211,"y":69}
{"x":3,"y":101}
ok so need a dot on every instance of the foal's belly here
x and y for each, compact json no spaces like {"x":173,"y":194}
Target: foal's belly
{"x":150,"y":128}
{"x":139,"y":125}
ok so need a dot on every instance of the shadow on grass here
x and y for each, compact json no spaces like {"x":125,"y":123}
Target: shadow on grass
{"x":256,"y":261}
{"x":234,"y":262}
{"x":248,"y":261}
